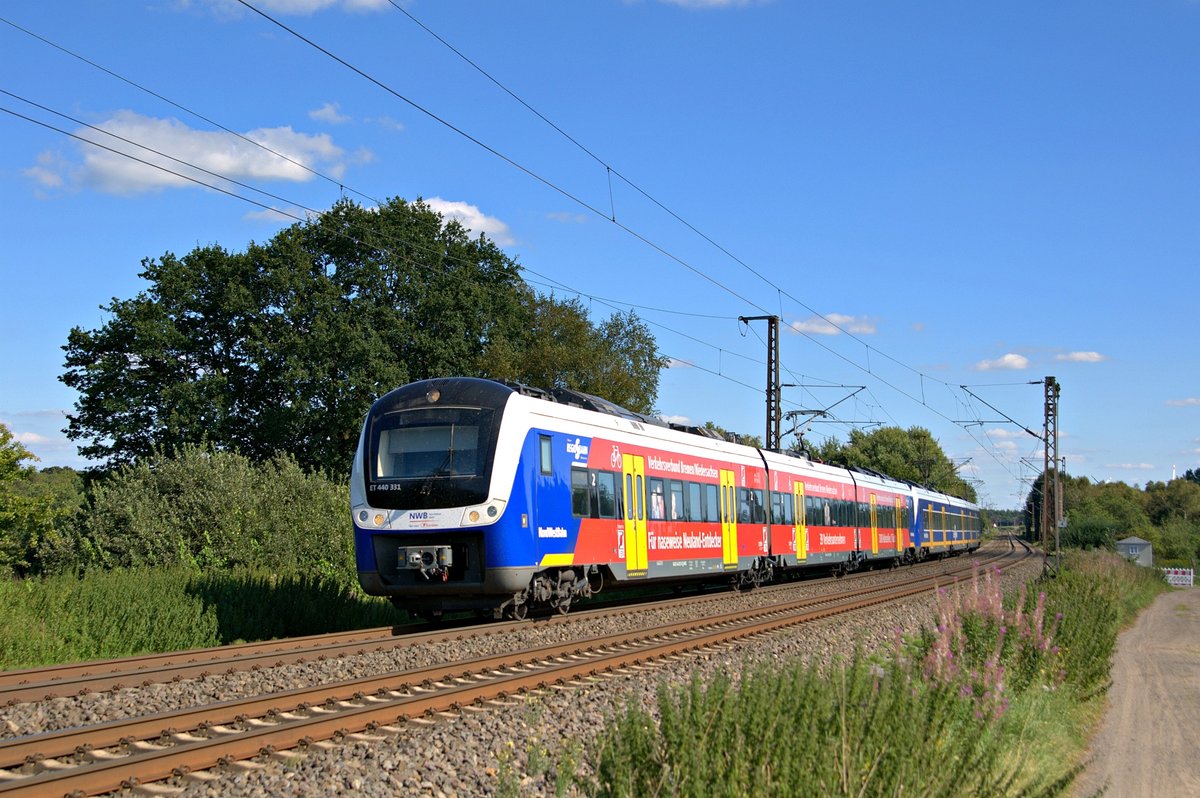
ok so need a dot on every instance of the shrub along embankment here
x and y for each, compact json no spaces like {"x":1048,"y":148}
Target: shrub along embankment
{"x":105,"y":614}
{"x":989,"y":703}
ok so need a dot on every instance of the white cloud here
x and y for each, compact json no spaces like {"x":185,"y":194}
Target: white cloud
{"x":566,"y":218}
{"x":49,"y":170}
{"x":475,"y":220}
{"x":708,"y":3}
{"x":277,"y":216}
{"x":681,"y":420}
{"x":30,"y":438}
{"x":329,"y":112}
{"x":676,"y":363}
{"x":1191,"y":401}
{"x":216,"y":151}
{"x":387,"y":122}
{"x":1006,"y":440}
{"x":1082,"y":357}
{"x":230,"y":8}
{"x":831,"y":322}
{"x":1011,"y":361}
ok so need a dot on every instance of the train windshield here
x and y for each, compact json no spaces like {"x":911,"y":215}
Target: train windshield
{"x":430,"y":457}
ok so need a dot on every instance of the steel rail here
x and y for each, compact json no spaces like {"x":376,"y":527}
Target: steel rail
{"x":45,"y":683}
{"x":441,"y":690}
{"x":26,"y":750}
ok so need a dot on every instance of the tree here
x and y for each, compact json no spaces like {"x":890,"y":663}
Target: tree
{"x":561,"y":348}
{"x":911,"y":455}
{"x":736,"y":437}
{"x":31,"y":506}
{"x":283,"y":347}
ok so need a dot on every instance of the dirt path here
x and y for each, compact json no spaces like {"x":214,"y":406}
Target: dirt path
{"x":1149,"y":742}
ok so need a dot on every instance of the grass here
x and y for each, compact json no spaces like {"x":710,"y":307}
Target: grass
{"x":118,"y":613}
{"x":995,"y":701}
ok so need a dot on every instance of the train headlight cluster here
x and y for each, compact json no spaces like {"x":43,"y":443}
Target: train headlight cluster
{"x":482,"y":514}
{"x":364,"y":518}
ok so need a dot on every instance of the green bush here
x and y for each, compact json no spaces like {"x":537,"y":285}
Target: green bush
{"x":214,"y":511}
{"x":861,"y":730}
{"x":105,"y":614}
{"x":1095,"y":594}
{"x":949,"y":715}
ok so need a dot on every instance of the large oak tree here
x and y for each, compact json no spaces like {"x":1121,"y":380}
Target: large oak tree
{"x":282,"y":347}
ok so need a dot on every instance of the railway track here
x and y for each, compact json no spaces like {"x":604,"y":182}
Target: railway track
{"x":40,"y":684}
{"x":119,"y":754}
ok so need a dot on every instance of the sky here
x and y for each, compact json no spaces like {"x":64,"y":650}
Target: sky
{"x":929,"y":195}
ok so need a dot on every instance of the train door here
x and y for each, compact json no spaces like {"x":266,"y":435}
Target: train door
{"x":729,"y":546}
{"x":801,"y":521}
{"x":874,"y":525}
{"x":636,"y":546}
{"x":899,"y":519}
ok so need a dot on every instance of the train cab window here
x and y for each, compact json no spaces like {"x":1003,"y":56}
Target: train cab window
{"x":581,"y":493}
{"x":606,"y":493}
{"x":658,"y":504}
{"x":695,"y":506}
{"x":675,"y":509}
{"x":712,"y":512}
{"x":547,"y":449}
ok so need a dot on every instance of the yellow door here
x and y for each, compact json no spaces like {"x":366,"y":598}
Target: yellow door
{"x":729,"y":521}
{"x":801,"y":522}
{"x":874,"y":524}
{"x":636,"y":545}
{"x":899,"y":515}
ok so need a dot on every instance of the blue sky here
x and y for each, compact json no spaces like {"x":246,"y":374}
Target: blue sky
{"x":975,"y":194}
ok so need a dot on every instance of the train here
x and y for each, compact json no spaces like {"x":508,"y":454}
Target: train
{"x":474,"y":494}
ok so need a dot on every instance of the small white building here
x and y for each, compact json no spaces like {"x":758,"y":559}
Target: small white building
{"x":1136,"y":549}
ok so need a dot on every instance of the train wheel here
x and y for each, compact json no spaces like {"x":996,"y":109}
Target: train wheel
{"x":519,"y":611}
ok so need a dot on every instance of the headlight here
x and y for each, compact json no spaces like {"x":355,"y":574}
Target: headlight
{"x":482,"y":514}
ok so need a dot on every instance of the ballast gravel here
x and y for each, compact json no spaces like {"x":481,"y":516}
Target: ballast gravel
{"x":535,"y":745}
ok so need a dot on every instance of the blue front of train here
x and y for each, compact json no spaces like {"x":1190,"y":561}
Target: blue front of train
{"x":437,"y":524}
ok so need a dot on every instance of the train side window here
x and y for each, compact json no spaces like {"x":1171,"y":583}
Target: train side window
{"x":827,"y":512}
{"x":606,"y":490}
{"x":712,"y":512}
{"x":546,"y":449}
{"x":675,"y":501}
{"x":743,"y":511}
{"x":781,"y":509}
{"x":638,"y":497}
{"x":695,"y":505}
{"x":787,"y":514}
{"x":581,"y":493}
{"x":629,"y":496}
{"x":658,"y":504}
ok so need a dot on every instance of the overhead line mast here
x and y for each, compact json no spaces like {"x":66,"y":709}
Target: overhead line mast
{"x":774,"y":411}
{"x":1051,"y":493}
